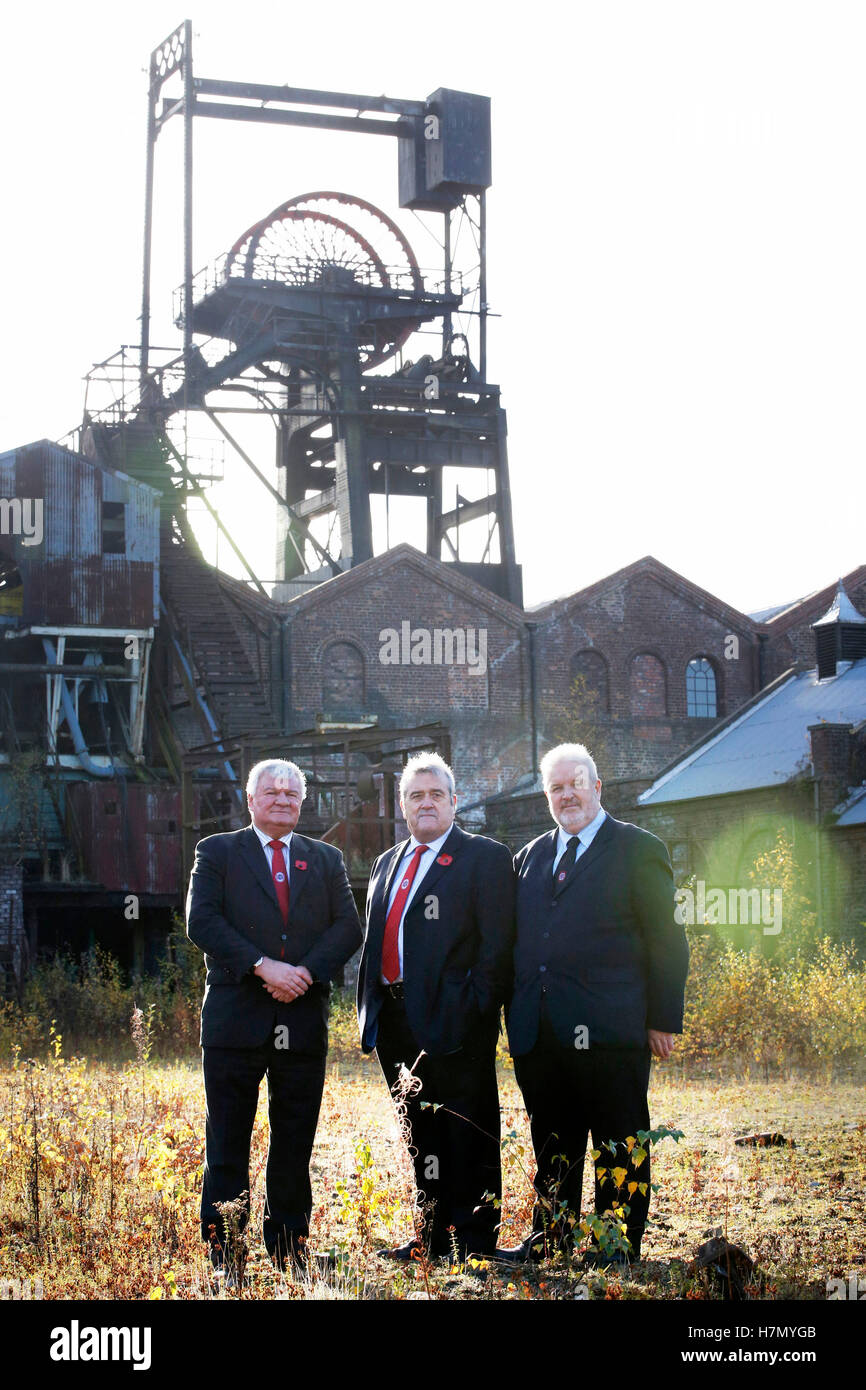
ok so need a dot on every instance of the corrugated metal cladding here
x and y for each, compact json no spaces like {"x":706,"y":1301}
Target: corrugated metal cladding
{"x":67,"y":578}
{"x":129,"y":835}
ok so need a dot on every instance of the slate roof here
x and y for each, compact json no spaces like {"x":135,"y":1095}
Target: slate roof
{"x":766,"y":744}
{"x":854,"y":812}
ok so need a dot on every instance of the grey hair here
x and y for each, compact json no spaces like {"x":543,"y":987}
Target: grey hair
{"x":567,"y":752}
{"x":427,"y":762}
{"x":280,"y":766}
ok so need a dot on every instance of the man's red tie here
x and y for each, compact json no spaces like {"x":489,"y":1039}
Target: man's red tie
{"x":391,"y":943}
{"x":281,"y":882}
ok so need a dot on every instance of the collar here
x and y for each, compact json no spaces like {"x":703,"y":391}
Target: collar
{"x":434,"y":845}
{"x":586,"y":835}
{"x":265,"y":839}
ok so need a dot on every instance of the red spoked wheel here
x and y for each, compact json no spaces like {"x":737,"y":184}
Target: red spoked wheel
{"x":333,"y":240}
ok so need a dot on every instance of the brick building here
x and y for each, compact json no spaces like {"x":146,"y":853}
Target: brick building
{"x":643,"y":666}
{"x":794,"y":758}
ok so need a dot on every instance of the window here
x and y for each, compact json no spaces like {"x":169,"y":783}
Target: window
{"x":589,"y":682}
{"x":342,"y":679}
{"x":113,"y":528}
{"x":700,"y":689}
{"x":648,"y":686}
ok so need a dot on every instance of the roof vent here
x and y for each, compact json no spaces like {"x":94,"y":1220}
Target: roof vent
{"x":840,"y":635}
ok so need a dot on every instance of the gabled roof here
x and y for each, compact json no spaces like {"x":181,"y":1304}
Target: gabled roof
{"x":814,"y":605}
{"x":434,"y":571}
{"x":668,"y":578}
{"x":767,"y":743}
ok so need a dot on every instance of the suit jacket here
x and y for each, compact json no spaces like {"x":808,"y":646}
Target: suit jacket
{"x":457,"y":963}
{"x":233,"y":915}
{"x":604,"y":945}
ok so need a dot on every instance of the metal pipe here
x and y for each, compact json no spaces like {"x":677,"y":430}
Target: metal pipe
{"x":446,"y":318}
{"x":482,"y":285}
{"x":533,"y":711}
{"x":188,"y":103}
{"x":148,"y":222}
{"x":78,"y":741}
{"x":82,"y":673}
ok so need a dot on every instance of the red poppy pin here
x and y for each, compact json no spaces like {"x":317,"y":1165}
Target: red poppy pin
{"x":300,"y":863}
{"x":444,"y":859}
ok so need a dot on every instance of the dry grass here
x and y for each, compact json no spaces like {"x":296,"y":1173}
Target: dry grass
{"x":100,"y":1168}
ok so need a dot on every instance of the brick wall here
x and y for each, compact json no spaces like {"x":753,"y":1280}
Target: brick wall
{"x":647,"y":633}
{"x":484,"y":704}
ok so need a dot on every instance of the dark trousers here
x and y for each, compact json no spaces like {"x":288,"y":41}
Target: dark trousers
{"x":570,"y":1093}
{"x":455,"y":1149}
{"x":231,"y":1079}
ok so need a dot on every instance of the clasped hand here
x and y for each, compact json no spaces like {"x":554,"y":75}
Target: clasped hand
{"x":284,"y":982}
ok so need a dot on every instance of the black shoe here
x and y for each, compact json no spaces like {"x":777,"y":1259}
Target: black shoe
{"x":620,"y":1259}
{"x":403,"y":1253}
{"x":533,"y":1248}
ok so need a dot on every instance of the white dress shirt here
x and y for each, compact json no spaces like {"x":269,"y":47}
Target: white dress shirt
{"x":433,"y":850}
{"x":585,"y":836}
{"x":265,"y":839}
{"x":265,"y":842}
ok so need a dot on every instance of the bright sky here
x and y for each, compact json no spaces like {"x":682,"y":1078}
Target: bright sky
{"x":676,"y":247}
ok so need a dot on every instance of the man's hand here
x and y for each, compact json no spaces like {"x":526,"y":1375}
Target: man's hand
{"x":285,"y":982}
{"x":661,"y":1045}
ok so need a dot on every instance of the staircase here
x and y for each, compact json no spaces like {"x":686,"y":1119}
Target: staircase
{"x":206,"y":631}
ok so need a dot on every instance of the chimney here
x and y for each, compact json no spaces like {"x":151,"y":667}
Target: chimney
{"x":840,"y":635}
{"x":831,"y":746}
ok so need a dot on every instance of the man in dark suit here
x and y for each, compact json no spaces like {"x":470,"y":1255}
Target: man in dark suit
{"x":434,"y":973}
{"x":274,"y":913}
{"x":600,"y":971}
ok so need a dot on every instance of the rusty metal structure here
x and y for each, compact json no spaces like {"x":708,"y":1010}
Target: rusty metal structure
{"x":140,"y":682}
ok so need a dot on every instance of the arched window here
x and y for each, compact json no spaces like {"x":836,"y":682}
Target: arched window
{"x":648,"y":686}
{"x":589,"y":682}
{"x":342,"y":678}
{"x":700,"y":689}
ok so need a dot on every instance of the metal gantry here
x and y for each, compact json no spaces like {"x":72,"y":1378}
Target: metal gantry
{"x":309,"y":318}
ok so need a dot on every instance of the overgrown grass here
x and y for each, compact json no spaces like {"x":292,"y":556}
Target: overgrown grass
{"x":100,"y":1170}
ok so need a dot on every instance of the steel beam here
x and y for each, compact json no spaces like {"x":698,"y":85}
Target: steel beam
{"x":308,"y":96}
{"x":270,"y":115}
